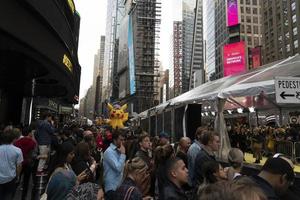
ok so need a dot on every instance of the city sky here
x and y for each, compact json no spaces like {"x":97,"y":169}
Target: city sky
{"x":93,"y":24}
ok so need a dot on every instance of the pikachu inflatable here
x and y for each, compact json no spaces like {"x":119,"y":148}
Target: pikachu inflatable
{"x":117,"y":116}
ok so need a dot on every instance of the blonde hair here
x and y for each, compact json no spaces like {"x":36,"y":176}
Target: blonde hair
{"x":133,"y":165}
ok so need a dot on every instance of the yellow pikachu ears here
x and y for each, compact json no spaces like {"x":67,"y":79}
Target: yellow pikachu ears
{"x":110,"y":107}
{"x":124,"y":107}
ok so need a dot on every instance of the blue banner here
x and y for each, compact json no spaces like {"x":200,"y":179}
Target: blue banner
{"x":131,"y":57}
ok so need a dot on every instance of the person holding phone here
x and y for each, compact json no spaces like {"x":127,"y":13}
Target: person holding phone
{"x":113,"y":163}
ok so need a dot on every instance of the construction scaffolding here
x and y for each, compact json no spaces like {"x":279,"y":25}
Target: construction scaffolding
{"x":146,"y":23}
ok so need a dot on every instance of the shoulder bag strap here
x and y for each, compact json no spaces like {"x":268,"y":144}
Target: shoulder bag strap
{"x":128,"y":193}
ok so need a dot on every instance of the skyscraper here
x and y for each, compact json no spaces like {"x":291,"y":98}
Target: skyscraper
{"x":248,"y":30}
{"x":114,"y":15}
{"x":187,"y":47}
{"x":138,"y":50}
{"x":197,"y":76}
{"x":99,"y":78}
{"x":210,"y":39}
{"x":177,"y":68}
{"x":280,"y":29}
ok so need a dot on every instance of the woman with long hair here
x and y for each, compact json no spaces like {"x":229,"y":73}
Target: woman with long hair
{"x":83,"y":161}
{"x":161,"y":155}
{"x":62,"y":178}
{"x":135,"y":172}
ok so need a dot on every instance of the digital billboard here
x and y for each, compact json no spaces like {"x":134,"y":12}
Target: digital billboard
{"x":132,"y":86}
{"x":256,"y":57}
{"x":232,"y":12}
{"x":234,"y":58}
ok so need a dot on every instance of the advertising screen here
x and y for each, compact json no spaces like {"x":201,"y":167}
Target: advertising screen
{"x":232,"y":12}
{"x":234,"y":58}
{"x":131,"y":58}
{"x":256,"y":57}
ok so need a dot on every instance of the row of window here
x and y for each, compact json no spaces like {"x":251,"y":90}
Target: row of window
{"x":248,"y":2}
{"x":248,"y":19}
{"x":248,"y":10}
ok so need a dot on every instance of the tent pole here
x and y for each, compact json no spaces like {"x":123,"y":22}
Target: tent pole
{"x":280,"y":116}
{"x":257,"y":119}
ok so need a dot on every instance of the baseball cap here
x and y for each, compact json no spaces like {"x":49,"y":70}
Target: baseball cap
{"x":164,"y":135}
{"x":279,"y":166}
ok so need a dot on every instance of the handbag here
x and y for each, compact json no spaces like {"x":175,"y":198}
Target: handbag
{"x":44,"y":195}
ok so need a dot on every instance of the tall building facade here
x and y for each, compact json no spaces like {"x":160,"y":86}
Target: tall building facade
{"x":248,"y":30}
{"x":280,"y":20}
{"x":177,"y":68}
{"x":186,"y":47}
{"x":210,"y":39}
{"x":99,"y":78}
{"x":138,"y":54}
{"x":197,"y":76}
{"x":188,"y":19}
{"x":115,"y":13}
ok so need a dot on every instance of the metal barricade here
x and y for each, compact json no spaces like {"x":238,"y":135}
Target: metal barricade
{"x":286,"y":148}
{"x":297,"y":151}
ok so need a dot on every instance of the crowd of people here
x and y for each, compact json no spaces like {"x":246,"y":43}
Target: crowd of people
{"x":262,"y":140}
{"x":93,"y":162}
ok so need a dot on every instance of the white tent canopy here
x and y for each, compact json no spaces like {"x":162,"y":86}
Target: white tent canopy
{"x":251,"y":83}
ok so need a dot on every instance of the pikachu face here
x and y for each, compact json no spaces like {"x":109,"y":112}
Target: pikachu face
{"x":117,"y":115}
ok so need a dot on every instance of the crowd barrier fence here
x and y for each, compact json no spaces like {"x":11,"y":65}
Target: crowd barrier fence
{"x":286,"y":148}
{"x":297,"y":151}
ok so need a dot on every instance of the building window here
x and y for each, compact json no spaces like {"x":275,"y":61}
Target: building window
{"x":294,"y":18}
{"x":242,"y":1}
{"x":295,"y":31}
{"x":296,"y":44}
{"x":248,"y":19}
{"x":293,"y":6}
{"x":242,"y":9}
{"x":255,"y":20}
{"x":249,"y":41}
{"x":255,"y":29}
{"x":254,"y":10}
{"x":248,"y":10}
{"x":247,"y":2}
{"x":242,"y":28}
{"x":242,"y":18}
{"x":256,"y":41}
{"x":287,"y":36}
{"x":249,"y":29}
{"x":288,"y":48}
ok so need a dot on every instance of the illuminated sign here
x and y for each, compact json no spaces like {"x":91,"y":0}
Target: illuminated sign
{"x":132,"y":86}
{"x":67,"y":63}
{"x":232,"y":12}
{"x":234,"y":58}
{"x":256,"y":57}
{"x":71,"y":5}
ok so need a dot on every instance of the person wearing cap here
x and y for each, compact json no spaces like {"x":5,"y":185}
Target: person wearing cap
{"x":276,"y":176}
{"x":164,"y":138}
{"x":235,"y":159}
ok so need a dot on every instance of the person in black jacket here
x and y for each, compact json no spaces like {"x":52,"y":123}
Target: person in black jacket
{"x":177,"y":175}
{"x":183,"y":147}
{"x":211,"y":143}
{"x":276,"y":176}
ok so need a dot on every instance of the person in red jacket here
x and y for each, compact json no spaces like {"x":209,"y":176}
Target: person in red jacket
{"x":28,"y":145}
